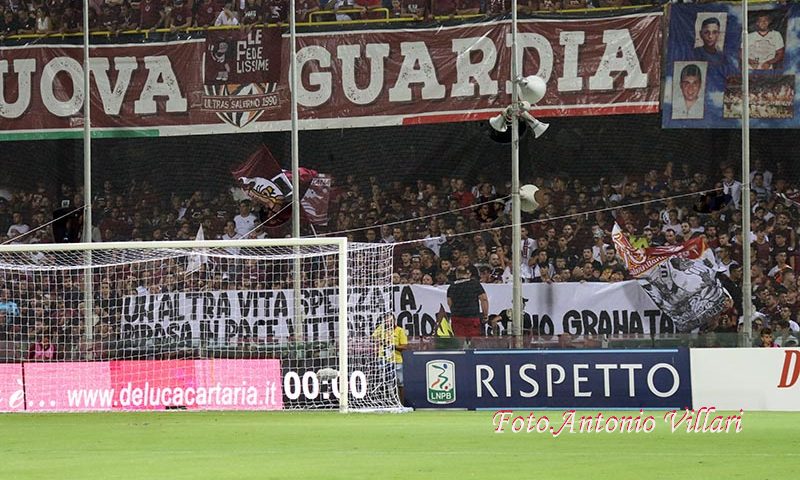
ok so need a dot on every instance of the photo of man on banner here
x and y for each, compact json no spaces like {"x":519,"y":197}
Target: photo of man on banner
{"x":709,"y":47}
{"x":767,"y":46}
{"x":688,"y":93}
{"x":710,"y":33}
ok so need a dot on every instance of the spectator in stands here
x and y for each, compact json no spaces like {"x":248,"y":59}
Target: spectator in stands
{"x":786,"y":315}
{"x":70,"y":21}
{"x":550,"y":5}
{"x":27,"y":22}
{"x":245,"y":220}
{"x":369,"y":8}
{"x":207,"y":13}
{"x":731,"y":186}
{"x":416,"y":10}
{"x":574,"y":4}
{"x":108,"y":19}
{"x":781,"y":266}
{"x":105,"y":343}
{"x":500,"y":7}
{"x":276,"y":11}
{"x":251,"y":13}
{"x":304,"y":8}
{"x":42,"y":350}
{"x":180,"y":17}
{"x":9,"y":309}
{"x":226,"y":17}
{"x":783,"y":335}
{"x":9,"y":25}
{"x":18,"y":228}
{"x":767,"y":339}
{"x":444,"y":8}
{"x":150,"y":15}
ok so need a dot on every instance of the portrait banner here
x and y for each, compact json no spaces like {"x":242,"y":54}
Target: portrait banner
{"x":703,"y":71}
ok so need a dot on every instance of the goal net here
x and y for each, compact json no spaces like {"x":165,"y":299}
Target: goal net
{"x":241,"y":325}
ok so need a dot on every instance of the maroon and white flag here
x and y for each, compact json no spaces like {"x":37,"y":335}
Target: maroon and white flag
{"x":681,"y":279}
{"x":263,"y":180}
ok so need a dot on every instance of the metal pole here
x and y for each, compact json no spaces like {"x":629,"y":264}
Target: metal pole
{"x":87,"y":178}
{"x":516,"y":217}
{"x":344,"y":374}
{"x":295,"y":135}
{"x":747,"y":300}
{"x":298,"y":314}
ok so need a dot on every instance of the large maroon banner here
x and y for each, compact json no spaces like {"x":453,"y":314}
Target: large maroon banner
{"x":595,"y":66}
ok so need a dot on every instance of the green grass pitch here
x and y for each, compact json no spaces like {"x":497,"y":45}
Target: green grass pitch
{"x":424,"y":445}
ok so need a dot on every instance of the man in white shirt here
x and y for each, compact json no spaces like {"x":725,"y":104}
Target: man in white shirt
{"x":732,"y":187}
{"x":245,"y":221}
{"x":230,"y":234}
{"x":766,"y":46}
{"x":226,"y":16}
{"x":528,"y":245}
{"x":19,"y":227}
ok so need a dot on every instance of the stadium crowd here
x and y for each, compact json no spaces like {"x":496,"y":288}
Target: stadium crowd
{"x":435,"y":226}
{"x":57,"y":17}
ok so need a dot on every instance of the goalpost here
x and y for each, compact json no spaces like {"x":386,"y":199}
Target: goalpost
{"x":200,"y":325}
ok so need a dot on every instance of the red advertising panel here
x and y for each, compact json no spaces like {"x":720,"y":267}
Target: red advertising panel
{"x":228,"y":82}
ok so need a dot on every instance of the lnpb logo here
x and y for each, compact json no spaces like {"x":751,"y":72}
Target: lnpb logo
{"x":441,"y":381}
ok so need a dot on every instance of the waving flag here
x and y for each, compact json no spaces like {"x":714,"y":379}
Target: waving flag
{"x":680,"y":279}
{"x":264,"y":181}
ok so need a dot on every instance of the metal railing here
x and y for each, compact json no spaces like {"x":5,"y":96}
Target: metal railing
{"x":313,"y":16}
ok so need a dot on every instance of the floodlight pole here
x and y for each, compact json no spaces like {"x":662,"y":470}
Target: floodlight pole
{"x":516,"y":217}
{"x":747,"y":292}
{"x":87,"y":179}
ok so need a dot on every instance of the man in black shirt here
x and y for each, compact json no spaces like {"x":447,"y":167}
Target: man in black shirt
{"x":469,"y":305}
